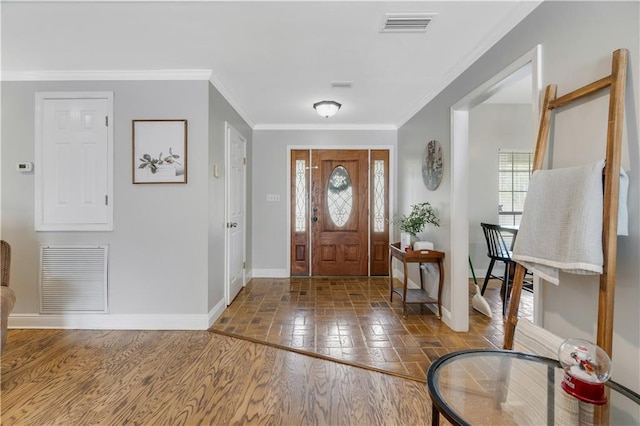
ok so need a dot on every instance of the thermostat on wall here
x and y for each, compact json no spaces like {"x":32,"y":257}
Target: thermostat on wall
{"x":24,"y":167}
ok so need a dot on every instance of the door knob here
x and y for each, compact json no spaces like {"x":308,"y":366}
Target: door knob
{"x":314,"y":219}
{"x":232,"y":225}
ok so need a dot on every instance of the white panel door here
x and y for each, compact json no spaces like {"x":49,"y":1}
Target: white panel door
{"x":74,"y":162}
{"x":236,"y":167}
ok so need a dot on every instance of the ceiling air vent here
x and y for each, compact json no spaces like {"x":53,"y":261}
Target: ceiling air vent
{"x":345,"y":84}
{"x":406,"y":22}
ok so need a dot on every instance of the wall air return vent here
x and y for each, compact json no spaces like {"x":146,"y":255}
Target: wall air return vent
{"x":406,"y":22}
{"x":73,"y":279}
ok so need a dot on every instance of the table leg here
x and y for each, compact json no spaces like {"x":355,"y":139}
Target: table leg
{"x":390,"y":277}
{"x":404,"y":293}
{"x":440,"y":285}
{"x":435,"y":415}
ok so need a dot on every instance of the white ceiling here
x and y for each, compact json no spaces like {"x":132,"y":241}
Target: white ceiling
{"x":271,"y":60}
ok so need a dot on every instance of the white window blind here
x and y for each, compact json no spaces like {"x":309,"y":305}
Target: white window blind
{"x":514,"y":172}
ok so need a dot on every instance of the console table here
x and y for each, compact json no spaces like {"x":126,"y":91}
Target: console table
{"x":417,"y":295}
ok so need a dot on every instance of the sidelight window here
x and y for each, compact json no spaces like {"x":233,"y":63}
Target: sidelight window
{"x":301,"y":195}
{"x":378,"y":195}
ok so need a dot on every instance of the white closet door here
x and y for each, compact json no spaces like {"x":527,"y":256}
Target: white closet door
{"x":236,"y":206}
{"x":74,"y":164}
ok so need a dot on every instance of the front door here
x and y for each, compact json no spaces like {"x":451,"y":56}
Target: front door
{"x":339,"y":212}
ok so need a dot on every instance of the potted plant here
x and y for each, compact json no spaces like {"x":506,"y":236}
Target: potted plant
{"x":413,"y":224}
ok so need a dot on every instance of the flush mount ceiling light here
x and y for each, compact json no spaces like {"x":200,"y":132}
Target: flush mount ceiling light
{"x":327,"y":108}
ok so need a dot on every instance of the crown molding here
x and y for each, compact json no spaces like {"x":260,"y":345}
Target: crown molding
{"x":325,"y":127}
{"x":229,"y":98}
{"x":499,"y":31}
{"x":105,"y":75}
{"x":179,"y":1}
{"x":127,"y":75}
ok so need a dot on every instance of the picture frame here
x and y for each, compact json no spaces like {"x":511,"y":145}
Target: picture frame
{"x":159,"y":151}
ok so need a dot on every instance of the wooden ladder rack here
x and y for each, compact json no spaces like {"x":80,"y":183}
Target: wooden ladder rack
{"x":616,"y":82}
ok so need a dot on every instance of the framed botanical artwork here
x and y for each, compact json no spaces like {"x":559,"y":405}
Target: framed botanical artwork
{"x":432,"y":165}
{"x":159,"y":151}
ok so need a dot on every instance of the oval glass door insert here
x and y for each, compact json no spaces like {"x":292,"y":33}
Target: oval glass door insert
{"x":339,"y":196}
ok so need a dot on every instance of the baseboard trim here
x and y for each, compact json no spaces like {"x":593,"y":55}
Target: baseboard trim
{"x":112,"y":322}
{"x":270,"y":273}
{"x":480,"y":274}
{"x":446,"y":317}
{"x":398,"y":274}
{"x":216,"y":311}
{"x":446,"y":314}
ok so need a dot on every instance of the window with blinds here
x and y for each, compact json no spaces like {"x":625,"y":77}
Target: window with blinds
{"x":514,"y":171}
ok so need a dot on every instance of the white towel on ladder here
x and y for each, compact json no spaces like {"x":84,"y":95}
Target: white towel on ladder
{"x":561,"y":227}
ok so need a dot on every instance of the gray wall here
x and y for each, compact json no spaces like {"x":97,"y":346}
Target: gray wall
{"x":491,"y":127}
{"x":220,"y":111}
{"x":577,"y":40}
{"x":158,"y":250}
{"x":430,"y":123}
{"x":270,"y":170}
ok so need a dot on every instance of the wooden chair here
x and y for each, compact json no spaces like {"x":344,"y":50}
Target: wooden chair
{"x":498,"y":249}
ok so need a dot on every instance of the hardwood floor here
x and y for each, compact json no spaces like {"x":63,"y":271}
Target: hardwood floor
{"x":81,"y":377}
{"x":86,"y":377}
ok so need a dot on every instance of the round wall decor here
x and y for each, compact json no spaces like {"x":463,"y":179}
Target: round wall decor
{"x":432,"y":165}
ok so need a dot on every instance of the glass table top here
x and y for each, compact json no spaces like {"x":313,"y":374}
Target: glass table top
{"x":512,"y":388}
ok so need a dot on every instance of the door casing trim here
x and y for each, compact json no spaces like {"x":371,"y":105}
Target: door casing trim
{"x":459,"y":181}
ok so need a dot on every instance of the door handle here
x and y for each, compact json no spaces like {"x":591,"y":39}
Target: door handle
{"x":232,"y":225}
{"x":314,"y":219}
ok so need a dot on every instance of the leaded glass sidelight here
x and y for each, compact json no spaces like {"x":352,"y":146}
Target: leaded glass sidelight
{"x":378,"y":195}
{"x":301,"y":195}
{"x":339,"y":196}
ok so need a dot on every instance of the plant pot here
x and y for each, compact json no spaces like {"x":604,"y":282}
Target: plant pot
{"x":406,"y":241}
{"x":163,"y":170}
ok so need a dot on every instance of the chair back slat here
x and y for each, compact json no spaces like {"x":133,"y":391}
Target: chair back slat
{"x":497,"y":248}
